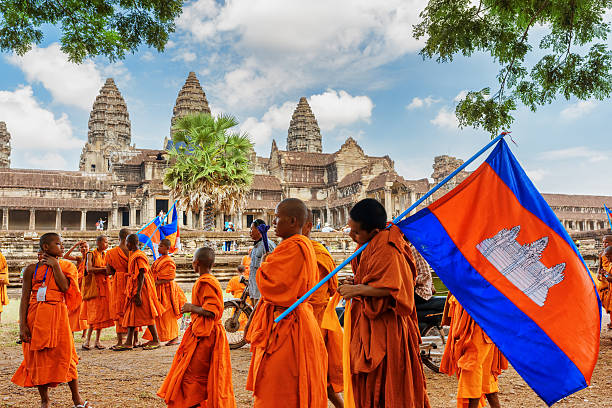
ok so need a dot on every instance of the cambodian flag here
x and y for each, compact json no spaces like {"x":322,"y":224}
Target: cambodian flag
{"x":171,"y":232}
{"x":151,"y":235}
{"x":500,"y":249}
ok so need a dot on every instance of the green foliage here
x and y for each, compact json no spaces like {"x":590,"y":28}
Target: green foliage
{"x":576,"y":63}
{"x":210,"y":163}
{"x":89,"y":28}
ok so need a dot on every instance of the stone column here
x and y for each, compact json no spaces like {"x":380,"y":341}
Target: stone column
{"x":151,"y":208}
{"x":239,"y":221}
{"x":412,"y":201}
{"x":5,"y":219}
{"x":180,"y":218}
{"x":58,"y":220}
{"x":327,"y":216}
{"x":201,"y":220}
{"x":32,"y":219}
{"x":132,"y":215}
{"x":346,"y":214}
{"x":388,"y":203}
{"x":83,"y":220}
{"x":114,"y":217}
{"x":190,"y":219}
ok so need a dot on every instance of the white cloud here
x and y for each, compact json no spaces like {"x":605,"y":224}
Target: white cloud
{"x":148,"y":56}
{"x":419,"y":103}
{"x":537,"y":175}
{"x":578,"y":109}
{"x":331,"y":108}
{"x":460,"y":96}
{"x":280,"y":46}
{"x":338,"y":108}
{"x":32,"y":127}
{"x":68,"y":83}
{"x":572,"y":153}
{"x":186,"y":56}
{"x":48,"y":160}
{"x":445,"y":119}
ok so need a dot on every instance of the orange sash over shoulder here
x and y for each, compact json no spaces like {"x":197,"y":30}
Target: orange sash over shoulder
{"x":319,"y":301}
{"x":171,"y":297}
{"x":144,"y":315}
{"x":471,"y":355}
{"x":384,"y":332}
{"x":117,"y":259}
{"x":4,"y":300}
{"x":50,"y":357}
{"x":201,"y":372}
{"x":75,"y":317}
{"x":283,"y":371}
{"x":98,"y":309}
{"x":604,"y":288}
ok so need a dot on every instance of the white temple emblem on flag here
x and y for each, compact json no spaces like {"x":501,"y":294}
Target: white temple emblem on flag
{"x":521,"y":264}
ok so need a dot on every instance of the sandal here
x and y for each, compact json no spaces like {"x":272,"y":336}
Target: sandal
{"x":86,"y":348}
{"x":98,"y":347}
{"x":151,"y":347}
{"x":121,"y":348}
{"x":84,"y":405}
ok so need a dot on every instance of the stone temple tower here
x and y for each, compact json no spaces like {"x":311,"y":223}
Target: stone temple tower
{"x":109,"y":130}
{"x":5,"y":146}
{"x":304,"y":133}
{"x":191,"y":99}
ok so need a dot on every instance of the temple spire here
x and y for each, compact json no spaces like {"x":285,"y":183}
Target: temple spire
{"x":5,"y":146}
{"x":304,"y":134}
{"x":109,"y":120}
{"x":191,"y":99}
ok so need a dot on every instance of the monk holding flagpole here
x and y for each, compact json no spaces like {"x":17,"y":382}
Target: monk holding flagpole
{"x":289,"y":360}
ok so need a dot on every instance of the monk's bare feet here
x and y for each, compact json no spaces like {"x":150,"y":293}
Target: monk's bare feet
{"x":44,"y":404}
{"x":172,"y":342}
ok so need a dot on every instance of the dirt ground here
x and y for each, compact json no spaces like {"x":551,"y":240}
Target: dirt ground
{"x":131,"y":379}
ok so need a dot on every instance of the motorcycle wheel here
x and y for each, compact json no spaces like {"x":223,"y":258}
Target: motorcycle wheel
{"x":233,"y":314}
{"x":432,"y":348}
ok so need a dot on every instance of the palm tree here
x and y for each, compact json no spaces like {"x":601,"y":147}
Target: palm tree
{"x":210,"y":165}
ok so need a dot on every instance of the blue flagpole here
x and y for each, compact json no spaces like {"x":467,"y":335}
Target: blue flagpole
{"x":395,"y":221}
{"x":608,"y":214}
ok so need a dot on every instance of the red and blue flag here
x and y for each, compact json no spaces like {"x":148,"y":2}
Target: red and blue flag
{"x":171,"y":231}
{"x":151,"y":235}
{"x":503,"y":253}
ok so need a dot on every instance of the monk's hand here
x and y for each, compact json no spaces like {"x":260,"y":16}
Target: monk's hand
{"x":186,"y":308}
{"x":50,"y":260}
{"x":138,"y":300}
{"x":349,"y":291}
{"x":3,"y":282}
{"x":347,"y":281}
{"x":24,"y":333}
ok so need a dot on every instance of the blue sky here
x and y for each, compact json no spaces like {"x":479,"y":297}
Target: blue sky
{"x":356,"y":62}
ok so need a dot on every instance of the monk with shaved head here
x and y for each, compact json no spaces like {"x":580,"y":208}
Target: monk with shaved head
{"x":97,"y":309}
{"x":604,"y":276}
{"x":289,"y":360}
{"x":49,"y":291}
{"x":319,"y":301}
{"x":117,"y":266}
{"x":201,"y":372}
{"x":142,"y":305}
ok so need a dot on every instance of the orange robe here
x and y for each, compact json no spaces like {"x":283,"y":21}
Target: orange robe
{"x":50,"y":357}
{"x":170,"y":295}
{"x":145,"y":314}
{"x":604,"y":288}
{"x":201,"y":372}
{"x":246,"y":262}
{"x":471,"y":355}
{"x":235,"y":287}
{"x":77,"y":323}
{"x":319,"y":301}
{"x":3,"y":276}
{"x":119,"y":261}
{"x":289,"y":361}
{"x":386,"y":369}
{"x":97,"y":310}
